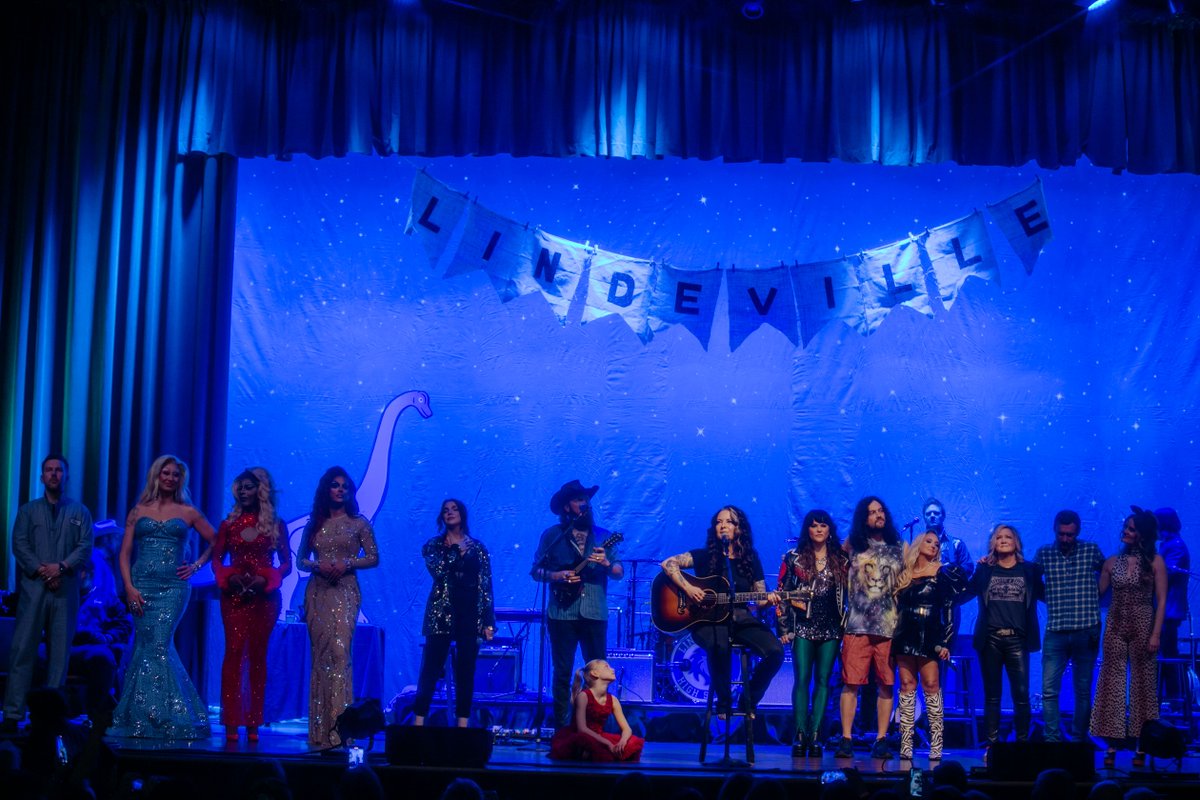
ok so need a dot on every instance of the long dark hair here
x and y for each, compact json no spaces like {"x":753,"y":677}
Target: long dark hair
{"x":322,"y":509}
{"x":860,"y":534}
{"x":462,"y":512}
{"x":1146,"y":525}
{"x":743,"y":544}
{"x":807,"y":561}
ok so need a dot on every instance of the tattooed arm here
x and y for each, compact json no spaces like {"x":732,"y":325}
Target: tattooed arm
{"x":672,"y":567}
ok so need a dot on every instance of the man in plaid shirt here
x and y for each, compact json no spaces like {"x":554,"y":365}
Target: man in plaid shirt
{"x":1072,"y":569}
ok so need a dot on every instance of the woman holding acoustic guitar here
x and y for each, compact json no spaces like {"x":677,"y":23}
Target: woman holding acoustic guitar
{"x":729,"y":554}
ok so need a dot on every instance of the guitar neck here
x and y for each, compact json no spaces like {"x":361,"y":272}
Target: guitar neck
{"x":754,"y":597}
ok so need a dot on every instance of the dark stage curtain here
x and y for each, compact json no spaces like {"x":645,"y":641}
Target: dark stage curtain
{"x":871,"y":82}
{"x":116,"y":284}
{"x":124,"y":119}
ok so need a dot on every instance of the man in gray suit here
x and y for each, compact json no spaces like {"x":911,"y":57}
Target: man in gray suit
{"x":52,"y":542}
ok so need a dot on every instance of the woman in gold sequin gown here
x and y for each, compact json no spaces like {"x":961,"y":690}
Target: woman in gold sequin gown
{"x":336,"y":544}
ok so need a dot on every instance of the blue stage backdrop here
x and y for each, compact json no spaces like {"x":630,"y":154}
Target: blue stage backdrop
{"x":1072,"y":387}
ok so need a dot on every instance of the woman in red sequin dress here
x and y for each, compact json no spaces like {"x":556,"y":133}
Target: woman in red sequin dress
{"x":253,"y":537}
{"x":586,"y":739}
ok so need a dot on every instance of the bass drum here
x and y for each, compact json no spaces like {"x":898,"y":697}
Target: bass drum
{"x":687,"y":670}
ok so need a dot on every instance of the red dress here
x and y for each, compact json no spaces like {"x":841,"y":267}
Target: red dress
{"x":569,"y":744}
{"x":249,"y":618}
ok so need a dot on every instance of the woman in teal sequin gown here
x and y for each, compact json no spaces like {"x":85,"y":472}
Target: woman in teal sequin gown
{"x":159,"y":700}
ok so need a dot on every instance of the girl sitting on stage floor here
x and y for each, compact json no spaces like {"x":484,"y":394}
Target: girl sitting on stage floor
{"x":585,"y":739}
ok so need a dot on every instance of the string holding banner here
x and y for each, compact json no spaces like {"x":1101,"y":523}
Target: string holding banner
{"x":461,"y":235}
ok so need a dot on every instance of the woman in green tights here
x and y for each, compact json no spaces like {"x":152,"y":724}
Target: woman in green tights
{"x":817,"y":567}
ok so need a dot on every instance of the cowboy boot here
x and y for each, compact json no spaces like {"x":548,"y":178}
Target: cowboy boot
{"x":935,"y":714}
{"x":908,"y":721}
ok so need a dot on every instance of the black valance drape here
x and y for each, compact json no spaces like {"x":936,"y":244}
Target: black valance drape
{"x":862,"y":82}
{"x":125,"y":119}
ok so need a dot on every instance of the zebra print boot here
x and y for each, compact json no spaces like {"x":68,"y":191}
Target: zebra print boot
{"x":908,"y":721}
{"x":934,"y":712}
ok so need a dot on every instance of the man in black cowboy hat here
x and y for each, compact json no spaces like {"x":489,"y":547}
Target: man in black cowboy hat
{"x":572,"y":559}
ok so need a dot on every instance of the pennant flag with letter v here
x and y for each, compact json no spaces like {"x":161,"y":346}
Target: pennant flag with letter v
{"x":760,"y":297}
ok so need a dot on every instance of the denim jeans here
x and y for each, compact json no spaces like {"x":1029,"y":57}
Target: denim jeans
{"x":591,"y":637}
{"x":1079,"y":647}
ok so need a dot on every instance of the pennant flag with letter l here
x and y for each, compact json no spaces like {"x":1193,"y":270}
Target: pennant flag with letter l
{"x":1025,"y":222}
{"x":958,"y":250}
{"x":758,"y":297}
{"x":827,"y":291}
{"x":620,"y":285}
{"x":892,"y":276}
{"x":546,"y":263}
{"x":687,"y":298}
{"x":435,"y":214}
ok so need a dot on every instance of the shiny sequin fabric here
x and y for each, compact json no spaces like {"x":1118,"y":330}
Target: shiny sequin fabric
{"x":331,"y":610}
{"x":248,"y":618}
{"x":462,"y":580}
{"x":159,"y":700}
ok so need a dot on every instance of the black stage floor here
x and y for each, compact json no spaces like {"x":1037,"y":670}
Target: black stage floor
{"x":517,"y":771}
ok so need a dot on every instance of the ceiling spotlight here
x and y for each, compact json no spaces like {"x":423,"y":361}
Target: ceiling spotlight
{"x":753,"y":10}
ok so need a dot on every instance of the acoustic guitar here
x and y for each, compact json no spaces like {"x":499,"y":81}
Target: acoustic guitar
{"x":565,"y":593}
{"x":673,"y":611}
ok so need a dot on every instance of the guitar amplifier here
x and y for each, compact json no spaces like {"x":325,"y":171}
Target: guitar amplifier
{"x":779,"y":693}
{"x":497,"y":670}
{"x":635,"y":675}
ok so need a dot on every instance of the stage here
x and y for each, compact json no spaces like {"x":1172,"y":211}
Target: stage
{"x":516,"y":769}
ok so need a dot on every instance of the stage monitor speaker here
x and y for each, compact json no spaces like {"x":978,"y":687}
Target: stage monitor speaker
{"x":496,"y":670}
{"x":427,"y":746}
{"x":1024,"y":761}
{"x":635,"y":675}
{"x":1162,"y":740}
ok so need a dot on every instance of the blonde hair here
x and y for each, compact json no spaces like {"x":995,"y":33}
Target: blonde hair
{"x":991,"y":556}
{"x":911,"y":552}
{"x":150,"y":492}
{"x":267,"y":497}
{"x":581,"y":677}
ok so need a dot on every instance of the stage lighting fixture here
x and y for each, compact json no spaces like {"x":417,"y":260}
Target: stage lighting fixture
{"x":753,"y":10}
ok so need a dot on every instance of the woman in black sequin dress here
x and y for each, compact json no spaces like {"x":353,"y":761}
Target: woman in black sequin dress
{"x":460,"y":609}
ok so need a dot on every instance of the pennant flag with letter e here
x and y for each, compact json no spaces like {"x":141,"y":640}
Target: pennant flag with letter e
{"x":1025,"y":222}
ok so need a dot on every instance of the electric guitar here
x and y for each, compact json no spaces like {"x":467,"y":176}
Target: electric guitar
{"x":673,"y":611}
{"x":565,"y":593}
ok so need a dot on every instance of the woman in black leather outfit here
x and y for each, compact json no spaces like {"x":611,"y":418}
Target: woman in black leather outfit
{"x":1006,"y":628}
{"x":925,"y":600}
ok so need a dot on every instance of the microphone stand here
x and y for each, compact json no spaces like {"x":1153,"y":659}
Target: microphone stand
{"x":544,"y":601}
{"x":727,"y":761}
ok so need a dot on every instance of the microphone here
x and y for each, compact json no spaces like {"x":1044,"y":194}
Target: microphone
{"x":908,"y":526}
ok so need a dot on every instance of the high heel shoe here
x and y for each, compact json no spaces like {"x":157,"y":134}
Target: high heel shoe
{"x":231,"y":734}
{"x":800,"y":748}
{"x":1139,"y":760}
{"x":815,"y":750}
{"x":1110,"y":759}
{"x":252,"y":733}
